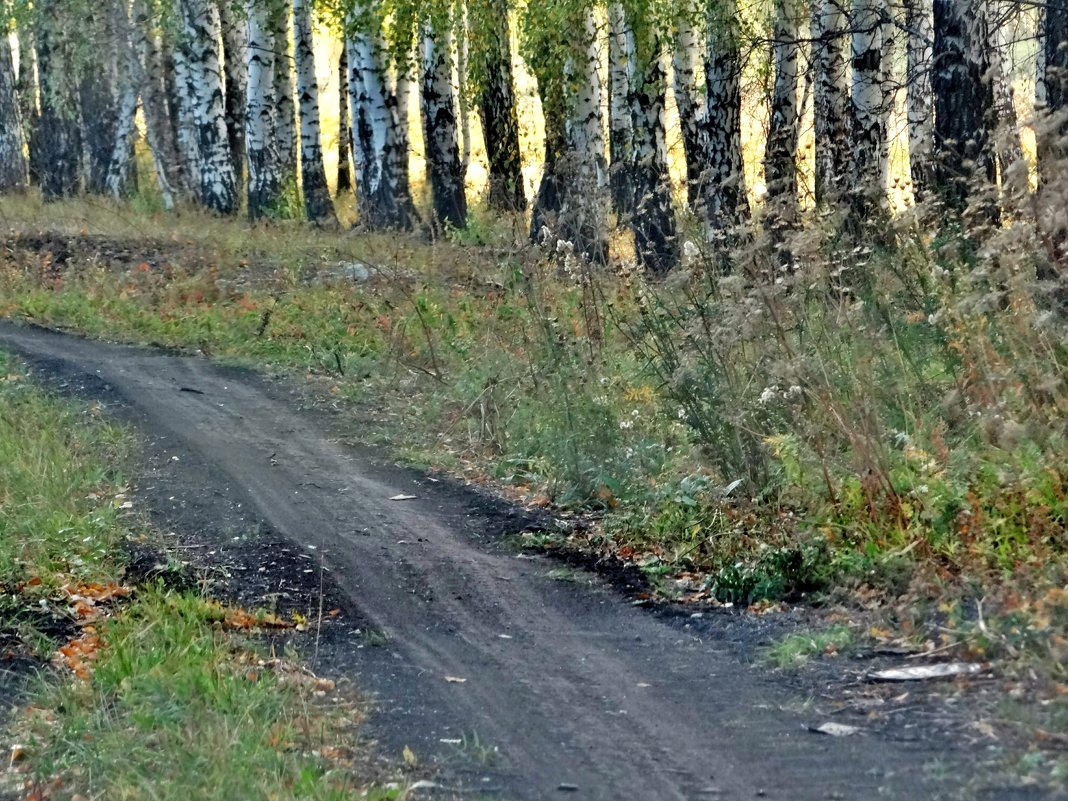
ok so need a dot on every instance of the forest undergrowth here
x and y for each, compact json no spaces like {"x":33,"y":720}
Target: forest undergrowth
{"x":873,"y":419}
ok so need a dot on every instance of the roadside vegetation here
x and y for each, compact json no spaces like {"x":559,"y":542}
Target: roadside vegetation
{"x":880,"y":424}
{"x":151,"y":692}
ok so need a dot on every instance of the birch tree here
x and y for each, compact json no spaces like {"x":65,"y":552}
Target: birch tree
{"x":620,"y":121}
{"x":444,"y":165}
{"x":130,"y":79}
{"x":57,"y":134}
{"x":832,"y":114}
{"x":780,"y":155}
{"x":684,"y":61}
{"x":285,"y":116}
{"x":98,"y":80}
{"x":723,"y":194}
{"x":1054,"y":59}
{"x":871,"y":105}
{"x":318,"y":207}
{"x":235,"y":59}
{"x":344,"y":126}
{"x":653,"y":218}
{"x":963,"y":100}
{"x":379,"y":136}
{"x":494,"y":86}
{"x":264,"y":178}
{"x":14,"y":170}
{"x":919,"y":97}
{"x":218,"y":189}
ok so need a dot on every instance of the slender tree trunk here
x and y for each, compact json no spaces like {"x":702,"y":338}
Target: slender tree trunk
{"x":964,"y":101}
{"x":653,"y":217}
{"x":98,"y":100}
{"x":548,"y":201}
{"x":318,"y":207}
{"x":57,"y":132}
{"x":130,"y":80}
{"x":1053,"y":130}
{"x":684,"y":65}
{"x":285,"y":117}
{"x":582,"y":213}
{"x":235,"y":61}
{"x":780,"y":158}
{"x":461,"y":39}
{"x":264,"y":179}
{"x":26,"y":90}
{"x":831,"y":100}
{"x":919,"y":97}
{"x":344,"y":126}
{"x":13,"y":168}
{"x":444,"y":167}
{"x":379,"y":138}
{"x":185,"y":99}
{"x":723,"y":196}
{"x":218,"y":188}
{"x":159,"y":125}
{"x":1008,"y":147}
{"x":491,"y":73}
{"x":870,"y":103}
{"x":620,"y":121}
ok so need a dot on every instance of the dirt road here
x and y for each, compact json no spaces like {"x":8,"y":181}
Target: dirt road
{"x":523,"y":685}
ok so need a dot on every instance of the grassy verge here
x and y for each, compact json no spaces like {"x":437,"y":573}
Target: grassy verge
{"x":883,"y":421}
{"x":153,"y":693}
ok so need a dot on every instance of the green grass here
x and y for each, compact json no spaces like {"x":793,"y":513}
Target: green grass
{"x":174,"y":712}
{"x":797,"y":649}
{"x":59,"y":506}
{"x":164,"y":701}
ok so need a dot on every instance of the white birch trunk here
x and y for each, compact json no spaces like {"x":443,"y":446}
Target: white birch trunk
{"x":1007,"y":134}
{"x":919,"y":97}
{"x":585,"y":125}
{"x":235,"y":61}
{"x":832,"y":112}
{"x":131,"y":79}
{"x":461,"y":39}
{"x":159,"y":127}
{"x":317,"y":204}
{"x":870,"y":102}
{"x":780,"y":159}
{"x":264,"y":180}
{"x":444,"y":166}
{"x":379,"y":138}
{"x":687,"y":99}
{"x":185,"y":123}
{"x":285,"y":116}
{"x":620,"y":123}
{"x":218,"y":190}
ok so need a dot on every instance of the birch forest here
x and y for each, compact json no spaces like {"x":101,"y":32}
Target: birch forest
{"x":647,"y":124}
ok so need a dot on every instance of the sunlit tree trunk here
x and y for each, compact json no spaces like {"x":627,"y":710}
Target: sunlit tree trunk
{"x":919,"y":97}
{"x":379,"y":139}
{"x":159,"y":125}
{"x":284,"y":114}
{"x":235,"y":60}
{"x":780,"y":157}
{"x":318,"y":207}
{"x":964,"y":101}
{"x":548,"y":199}
{"x":26,"y":88}
{"x":344,"y":129}
{"x":13,"y":167}
{"x":97,"y":81}
{"x":723,"y":196}
{"x":444,"y":166}
{"x":831,"y":100}
{"x":264,"y":179}
{"x":871,"y":105}
{"x":218,"y":189}
{"x":687,"y":99}
{"x":491,"y":74}
{"x":620,"y":121}
{"x":1008,"y":147}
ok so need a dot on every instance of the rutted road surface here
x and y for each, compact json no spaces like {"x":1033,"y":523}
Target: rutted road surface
{"x":581,"y":694}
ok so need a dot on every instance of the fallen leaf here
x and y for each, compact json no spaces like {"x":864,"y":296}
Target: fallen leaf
{"x":403,"y":497}
{"x":455,"y":680}
{"x":410,"y":758}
